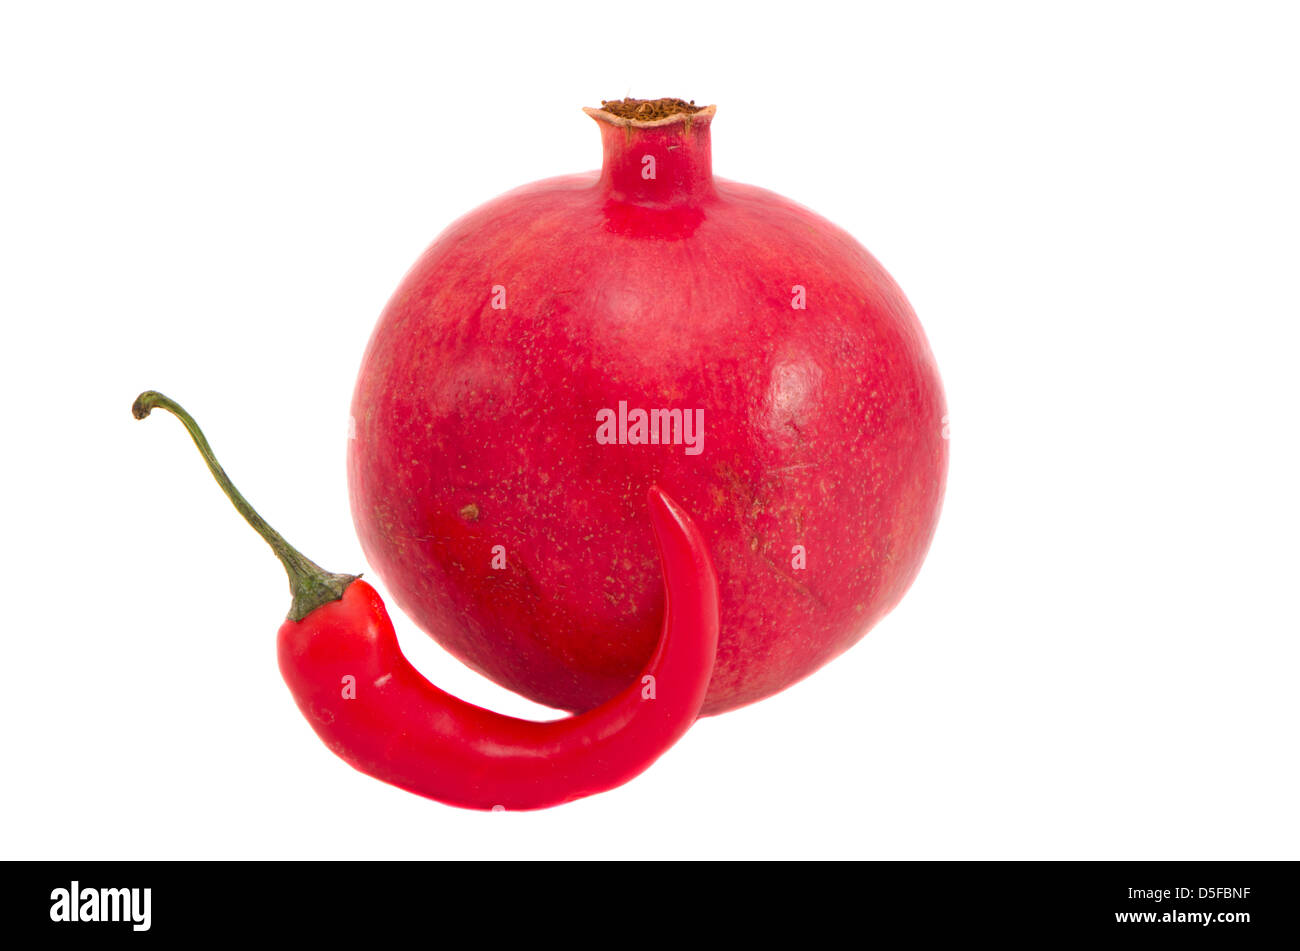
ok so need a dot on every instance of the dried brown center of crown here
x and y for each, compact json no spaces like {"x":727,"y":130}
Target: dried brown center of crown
{"x":648,"y":110}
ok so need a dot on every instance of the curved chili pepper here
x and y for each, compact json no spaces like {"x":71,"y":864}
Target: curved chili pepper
{"x":340,"y":657}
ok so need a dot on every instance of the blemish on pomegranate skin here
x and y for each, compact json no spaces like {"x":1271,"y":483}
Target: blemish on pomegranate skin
{"x":792,"y":396}
{"x":469,"y":513}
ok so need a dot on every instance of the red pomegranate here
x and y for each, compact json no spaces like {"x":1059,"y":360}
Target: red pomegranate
{"x":564,"y":346}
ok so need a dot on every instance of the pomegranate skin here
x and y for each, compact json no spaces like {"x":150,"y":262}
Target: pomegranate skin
{"x":475,"y":425}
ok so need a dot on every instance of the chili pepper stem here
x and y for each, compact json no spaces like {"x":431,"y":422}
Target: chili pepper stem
{"x":309,"y":583}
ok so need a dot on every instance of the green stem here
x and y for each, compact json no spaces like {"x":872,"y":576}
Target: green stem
{"x":310,"y":584}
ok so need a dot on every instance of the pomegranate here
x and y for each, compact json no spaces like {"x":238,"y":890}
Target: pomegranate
{"x":561,"y":348}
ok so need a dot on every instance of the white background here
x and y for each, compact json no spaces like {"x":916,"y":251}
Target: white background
{"x":1092,"y":207}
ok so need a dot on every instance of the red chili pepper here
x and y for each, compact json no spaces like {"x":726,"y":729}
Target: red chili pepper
{"x":341,"y":660}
